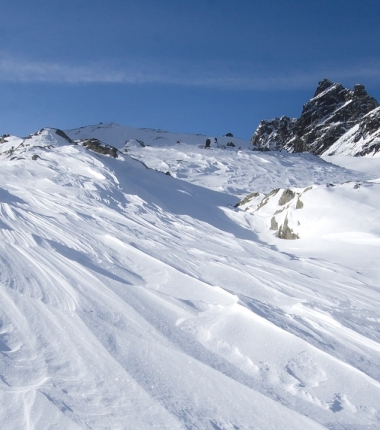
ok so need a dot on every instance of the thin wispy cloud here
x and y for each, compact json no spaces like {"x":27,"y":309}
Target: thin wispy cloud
{"x":15,"y":70}
{"x":175,"y":73}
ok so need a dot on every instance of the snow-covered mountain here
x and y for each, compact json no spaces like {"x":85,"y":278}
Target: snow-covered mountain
{"x":143,"y":287}
{"x":336,"y":121}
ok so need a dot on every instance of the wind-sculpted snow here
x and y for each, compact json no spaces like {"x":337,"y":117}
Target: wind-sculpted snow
{"x":131,"y":299}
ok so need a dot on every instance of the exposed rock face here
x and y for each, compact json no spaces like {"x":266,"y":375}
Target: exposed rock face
{"x":63,"y":134}
{"x":285,"y":232}
{"x":272,"y":135}
{"x":362,"y":139}
{"x":286,"y":197}
{"x":97,"y":146}
{"x":329,"y":115}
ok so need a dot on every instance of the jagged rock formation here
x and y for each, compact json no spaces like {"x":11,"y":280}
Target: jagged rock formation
{"x":362,"y":139}
{"x":272,"y":134}
{"x":332,"y":114}
{"x":277,"y":206}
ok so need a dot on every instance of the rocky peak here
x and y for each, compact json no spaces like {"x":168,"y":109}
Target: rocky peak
{"x":324,"y":119}
{"x":322,"y":86}
{"x":359,"y":91}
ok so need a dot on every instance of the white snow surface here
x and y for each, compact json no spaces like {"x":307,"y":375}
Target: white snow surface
{"x":132,"y":299}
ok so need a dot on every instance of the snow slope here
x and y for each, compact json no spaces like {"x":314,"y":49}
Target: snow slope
{"x":235,"y":170}
{"x":131,"y":299}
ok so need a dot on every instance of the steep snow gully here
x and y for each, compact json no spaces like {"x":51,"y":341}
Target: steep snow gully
{"x":134,"y":299}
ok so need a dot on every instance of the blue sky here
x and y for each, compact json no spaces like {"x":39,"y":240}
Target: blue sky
{"x":197,"y":66}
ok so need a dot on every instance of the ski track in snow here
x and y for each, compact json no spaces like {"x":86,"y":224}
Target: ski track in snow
{"x":130,"y":299}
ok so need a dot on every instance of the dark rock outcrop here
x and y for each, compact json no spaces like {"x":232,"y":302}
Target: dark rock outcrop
{"x":3,"y":138}
{"x":63,"y":134}
{"x":362,"y":139}
{"x":97,"y":146}
{"x":331,"y":113}
{"x":272,"y":135}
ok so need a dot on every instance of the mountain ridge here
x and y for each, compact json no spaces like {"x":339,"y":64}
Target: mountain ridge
{"x":328,"y":117}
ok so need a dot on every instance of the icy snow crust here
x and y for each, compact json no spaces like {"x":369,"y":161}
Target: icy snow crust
{"x":131,"y":299}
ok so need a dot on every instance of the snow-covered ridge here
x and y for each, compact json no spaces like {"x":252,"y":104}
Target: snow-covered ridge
{"x":134,"y":299}
{"x":124,"y":136}
{"x":12,"y":146}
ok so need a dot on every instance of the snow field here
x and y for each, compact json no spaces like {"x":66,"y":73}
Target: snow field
{"x":133,"y":300}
